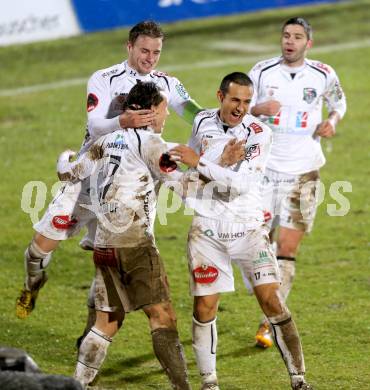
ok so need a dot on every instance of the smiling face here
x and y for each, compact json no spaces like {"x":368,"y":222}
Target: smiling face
{"x":161,"y":113}
{"x":294,"y":44}
{"x":144,"y":53}
{"x":235,"y":103}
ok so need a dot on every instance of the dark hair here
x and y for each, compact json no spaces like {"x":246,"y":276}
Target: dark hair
{"x":148,"y":28}
{"x":301,"y":22}
{"x":143,"y":95}
{"x":237,"y":78}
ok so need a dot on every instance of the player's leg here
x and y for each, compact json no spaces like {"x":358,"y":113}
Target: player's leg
{"x":109,"y":317}
{"x":60,"y":221}
{"x":36,"y":258}
{"x":210,"y":274}
{"x":205,"y":338}
{"x":261,"y":264}
{"x":297,"y":216}
{"x":145,"y":287}
{"x":285,"y":333}
{"x":94,"y":346}
{"x":166,"y":343}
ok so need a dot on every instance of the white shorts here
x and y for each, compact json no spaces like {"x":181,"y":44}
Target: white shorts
{"x":65,"y":216}
{"x":290,"y":200}
{"x":214,"y":244}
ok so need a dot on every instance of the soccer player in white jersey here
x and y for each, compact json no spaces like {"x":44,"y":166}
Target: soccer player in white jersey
{"x":289,"y":95}
{"x":123,"y":168}
{"x":106,"y":91}
{"x":229,"y":226}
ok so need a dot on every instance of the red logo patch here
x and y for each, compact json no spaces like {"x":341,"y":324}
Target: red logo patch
{"x":92,"y":102}
{"x":63,"y":222}
{"x":205,"y":274}
{"x":256,"y":127}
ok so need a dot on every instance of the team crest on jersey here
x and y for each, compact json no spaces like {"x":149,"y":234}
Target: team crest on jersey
{"x":256,"y":127}
{"x":205,"y":274}
{"x":309,"y":95}
{"x":252,"y":152}
{"x":92,"y":102}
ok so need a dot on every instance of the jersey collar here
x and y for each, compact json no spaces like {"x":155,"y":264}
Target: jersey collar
{"x":131,"y":72}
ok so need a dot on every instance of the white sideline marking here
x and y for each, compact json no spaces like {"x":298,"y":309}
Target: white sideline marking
{"x":244,"y":47}
{"x":186,"y":67}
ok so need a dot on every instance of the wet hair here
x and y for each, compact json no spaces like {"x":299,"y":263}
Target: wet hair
{"x":143,"y":96}
{"x":237,"y":78}
{"x":149,"y":28}
{"x":301,"y":22}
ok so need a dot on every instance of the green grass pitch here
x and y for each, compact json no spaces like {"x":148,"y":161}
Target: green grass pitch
{"x":331,"y":295}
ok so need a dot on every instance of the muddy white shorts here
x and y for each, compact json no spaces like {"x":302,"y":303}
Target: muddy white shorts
{"x":212,"y":247}
{"x":290,"y":200}
{"x":65,"y":215}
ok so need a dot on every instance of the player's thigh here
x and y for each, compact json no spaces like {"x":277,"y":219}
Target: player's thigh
{"x":300,"y":204}
{"x":255,"y":257}
{"x":209,"y":263}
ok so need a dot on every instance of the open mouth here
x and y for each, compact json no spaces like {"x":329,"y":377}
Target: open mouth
{"x":236,"y":115}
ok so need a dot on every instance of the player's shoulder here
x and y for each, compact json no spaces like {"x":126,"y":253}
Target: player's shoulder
{"x":320,"y":67}
{"x":266,"y":64}
{"x":108,"y":73}
{"x":209,"y":113}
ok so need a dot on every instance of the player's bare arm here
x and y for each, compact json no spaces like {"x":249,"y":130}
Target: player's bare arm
{"x":326,"y":128}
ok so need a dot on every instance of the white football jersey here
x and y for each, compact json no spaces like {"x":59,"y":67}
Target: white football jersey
{"x":301,"y":93}
{"x":107,"y":88}
{"x":124,"y":168}
{"x":234,"y":193}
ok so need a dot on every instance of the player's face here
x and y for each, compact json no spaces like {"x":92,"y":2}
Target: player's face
{"x":235,"y":103}
{"x":294,"y":44}
{"x":161,"y":113}
{"x":143,"y":55}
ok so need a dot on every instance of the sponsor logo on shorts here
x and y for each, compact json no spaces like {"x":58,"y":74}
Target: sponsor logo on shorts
{"x":309,"y":95}
{"x":263,"y":258}
{"x":208,"y":233}
{"x":63,"y":222}
{"x":205,"y":274}
{"x":92,"y":102}
{"x":230,"y":236}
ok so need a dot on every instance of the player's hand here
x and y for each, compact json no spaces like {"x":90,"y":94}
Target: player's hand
{"x":325,"y":129}
{"x":269,"y":108}
{"x":234,"y":151}
{"x":63,"y":164}
{"x":186,"y":155}
{"x":136,"y":118}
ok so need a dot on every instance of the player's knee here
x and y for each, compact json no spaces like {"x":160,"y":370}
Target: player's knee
{"x":161,"y":315}
{"x":287,"y":248}
{"x":205,"y":309}
{"x":270,"y":300}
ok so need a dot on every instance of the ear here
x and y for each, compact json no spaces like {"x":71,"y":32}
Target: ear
{"x":220,"y":96}
{"x":309,"y":43}
{"x":128,"y":46}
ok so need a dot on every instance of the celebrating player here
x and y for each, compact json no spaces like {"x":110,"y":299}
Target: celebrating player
{"x":106,"y":92}
{"x":289,"y":95}
{"x":229,"y":226}
{"x":122,"y":168}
